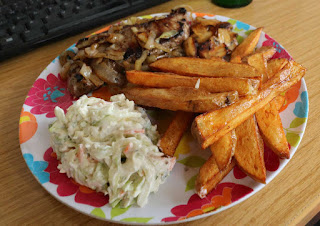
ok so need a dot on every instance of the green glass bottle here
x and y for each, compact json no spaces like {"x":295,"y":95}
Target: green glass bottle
{"x":232,"y":3}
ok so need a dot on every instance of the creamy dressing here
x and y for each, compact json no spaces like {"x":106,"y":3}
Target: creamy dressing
{"x":110,"y":147}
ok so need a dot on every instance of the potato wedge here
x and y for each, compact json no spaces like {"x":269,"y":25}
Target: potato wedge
{"x":278,"y":102}
{"x":190,"y":47}
{"x":258,"y":61}
{"x":244,"y":86}
{"x":211,"y":126}
{"x":180,"y":98}
{"x":223,"y":149}
{"x":247,"y":46}
{"x":275,"y":65}
{"x":249,"y":152}
{"x":236,"y":59}
{"x":170,"y":140}
{"x":271,"y":128}
{"x":204,"y":67}
{"x":267,"y":51}
{"x":210,"y":176}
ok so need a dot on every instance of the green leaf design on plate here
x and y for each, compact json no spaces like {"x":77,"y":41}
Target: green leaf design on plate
{"x":297,"y":122}
{"x":193,"y":161}
{"x":232,"y":21}
{"x":191,"y":183}
{"x":137,"y":219}
{"x":116,"y":211}
{"x":239,"y":39}
{"x":293,"y":139}
{"x":237,"y":29}
{"x":98,"y":212}
{"x":248,"y":32}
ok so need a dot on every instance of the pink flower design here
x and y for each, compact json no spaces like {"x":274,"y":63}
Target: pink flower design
{"x":67,"y":186}
{"x":281,"y":52}
{"x":223,"y":195}
{"x":44,"y":95}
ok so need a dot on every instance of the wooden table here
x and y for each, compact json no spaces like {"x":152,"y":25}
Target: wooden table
{"x":292,"y":197}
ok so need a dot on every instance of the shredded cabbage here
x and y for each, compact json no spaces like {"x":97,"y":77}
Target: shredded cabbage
{"x":110,"y":147}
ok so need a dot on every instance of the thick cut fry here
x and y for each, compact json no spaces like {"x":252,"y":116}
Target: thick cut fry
{"x":180,"y":98}
{"x":204,"y":67}
{"x":278,"y":102}
{"x":217,"y":59}
{"x":236,"y":59}
{"x":190,"y":47}
{"x":249,"y":150}
{"x":271,"y":128}
{"x":171,"y":138}
{"x":223,"y":149}
{"x":211,"y":126}
{"x":267,"y":51}
{"x":275,"y":65}
{"x":244,"y":86}
{"x":210,"y":176}
{"x":260,"y":63}
{"x":248,"y":45}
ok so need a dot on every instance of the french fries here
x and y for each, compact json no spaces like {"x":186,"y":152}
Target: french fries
{"x":247,"y":46}
{"x":267,"y":51}
{"x":205,"y":82}
{"x":244,"y":86}
{"x":180,"y":98}
{"x":190,"y":47}
{"x":204,"y":68}
{"x":258,"y":61}
{"x":171,"y":138}
{"x":278,"y":102}
{"x":210,"y":176}
{"x":211,"y":126}
{"x":275,"y":65}
{"x":271,"y":128}
{"x":249,"y":150}
{"x":223,"y":149}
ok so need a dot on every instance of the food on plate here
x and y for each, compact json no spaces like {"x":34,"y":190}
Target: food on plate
{"x":249,"y":150}
{"x":247,"y":46}
{"x":244,"y":86}
{"x":271,"y":128}
{"x":275,"y":65}
{"x":211,"y":126}
{"x":259,"y":62}
{"x":210,"y":176}
{"x":110,"y":147}
{"x":223,"y":149}
{"x":129,"y":45}
{"x":182,"y":64}
{"x":169,"y":142}
{"x":180,"y":98}
{"x":267,"y":51}
{"x":210,"y":38}
{"x":189,"y":66}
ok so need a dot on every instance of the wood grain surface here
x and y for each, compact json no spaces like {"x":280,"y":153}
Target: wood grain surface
{"x":293,"y":197}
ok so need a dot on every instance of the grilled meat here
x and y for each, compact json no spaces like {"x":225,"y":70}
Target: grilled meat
{"x":107,"y":55}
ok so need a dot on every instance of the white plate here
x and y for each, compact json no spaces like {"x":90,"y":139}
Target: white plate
{"x":175,"y":201}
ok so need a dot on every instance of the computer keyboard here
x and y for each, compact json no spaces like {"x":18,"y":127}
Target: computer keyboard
{"x":26,"y":24}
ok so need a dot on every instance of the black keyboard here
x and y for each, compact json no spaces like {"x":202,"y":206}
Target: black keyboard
{"x":27,"y":24}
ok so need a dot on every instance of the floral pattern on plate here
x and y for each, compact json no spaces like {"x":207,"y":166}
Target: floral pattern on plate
{"x":175,"y":200}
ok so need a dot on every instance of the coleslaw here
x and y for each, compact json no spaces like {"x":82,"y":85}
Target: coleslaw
{"x":110,"y":147}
